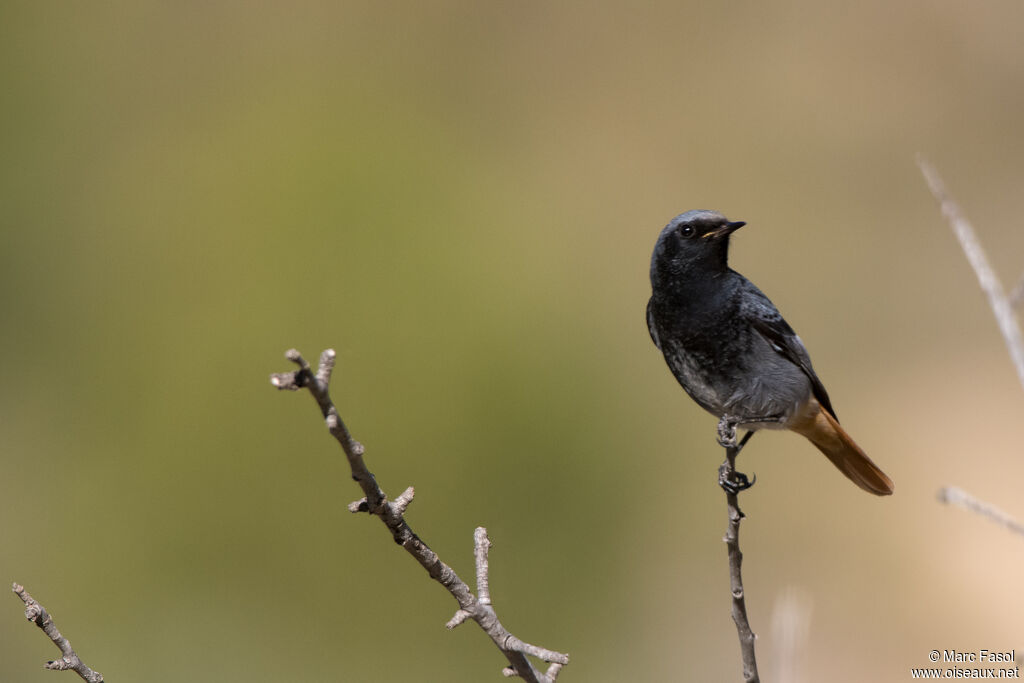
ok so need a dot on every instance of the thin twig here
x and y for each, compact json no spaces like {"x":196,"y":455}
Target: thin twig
{"x":954,"y":496}
{"x":392,"y":514}
{"x":70,"y":661}
{"x":990,"y":284}
{"x":1002,"y":306}
{"x":739,"y":601}
{"x":732,"y":482}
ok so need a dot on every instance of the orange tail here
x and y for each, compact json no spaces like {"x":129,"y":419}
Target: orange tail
{"x":824,"y":432}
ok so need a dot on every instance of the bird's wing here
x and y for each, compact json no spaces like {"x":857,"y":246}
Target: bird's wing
{"x":650,"y":325}
{"x":766,"y":319}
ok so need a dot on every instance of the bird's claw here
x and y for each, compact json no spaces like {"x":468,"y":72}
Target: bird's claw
{"x":732,"y":482}
{"x":727,"y":433}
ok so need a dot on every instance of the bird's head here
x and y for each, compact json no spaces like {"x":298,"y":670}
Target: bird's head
{"x":693,"y":244}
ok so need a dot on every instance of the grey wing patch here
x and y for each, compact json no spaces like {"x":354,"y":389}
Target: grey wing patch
{"x":650,"y":325}
{"x":766,"y":319}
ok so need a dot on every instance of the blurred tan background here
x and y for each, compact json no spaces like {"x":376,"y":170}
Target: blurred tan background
{"x":461,"y":198}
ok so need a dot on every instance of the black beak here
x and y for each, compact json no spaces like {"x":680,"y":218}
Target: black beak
{"x":725,"y":230}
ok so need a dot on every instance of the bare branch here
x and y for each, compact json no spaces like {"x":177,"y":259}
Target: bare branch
{"x":954,"y":496}
{"x":739,"y":601}
{"x":391,"y":513}
{"x":990,"y":284}
{"x":1002,"y":306}
{"x":35,"y":612}
{"x":732,"y":482}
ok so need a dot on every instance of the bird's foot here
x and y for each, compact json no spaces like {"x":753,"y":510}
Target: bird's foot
{"x":731,"y":481}
{"x":727,"y":432}
{"x":727,"y":425}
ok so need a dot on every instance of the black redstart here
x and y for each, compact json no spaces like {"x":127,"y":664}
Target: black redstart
{"x":733,"y":352}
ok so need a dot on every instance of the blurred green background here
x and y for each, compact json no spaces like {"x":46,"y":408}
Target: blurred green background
{"x":461,"y":198}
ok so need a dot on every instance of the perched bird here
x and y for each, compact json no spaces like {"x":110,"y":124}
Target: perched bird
{"x":733,"y":352}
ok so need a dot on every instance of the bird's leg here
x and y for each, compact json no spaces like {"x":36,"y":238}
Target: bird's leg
{"x":728,"y":478}
{"x":744,"y":440}
{"x":727,"y":431}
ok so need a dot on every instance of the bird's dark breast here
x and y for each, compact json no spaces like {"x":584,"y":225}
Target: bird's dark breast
{"x":725,"y":365}
{"x":703,"y":353}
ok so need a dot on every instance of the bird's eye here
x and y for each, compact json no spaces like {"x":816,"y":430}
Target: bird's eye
{"x":687,"y":231}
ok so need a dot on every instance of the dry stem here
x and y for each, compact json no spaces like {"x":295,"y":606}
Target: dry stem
{"x":36,"y":613}
{"x":1002,"y":305}
{"x":392,"y":514}
{"x":732,"y":482}
{"x":739,"y":602}
{"x":954,"y":496}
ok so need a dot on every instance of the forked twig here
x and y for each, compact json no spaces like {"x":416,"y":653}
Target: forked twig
{"x":392,"y":514}
{"x":1002,"y":306}
{"x":70,"y":661}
